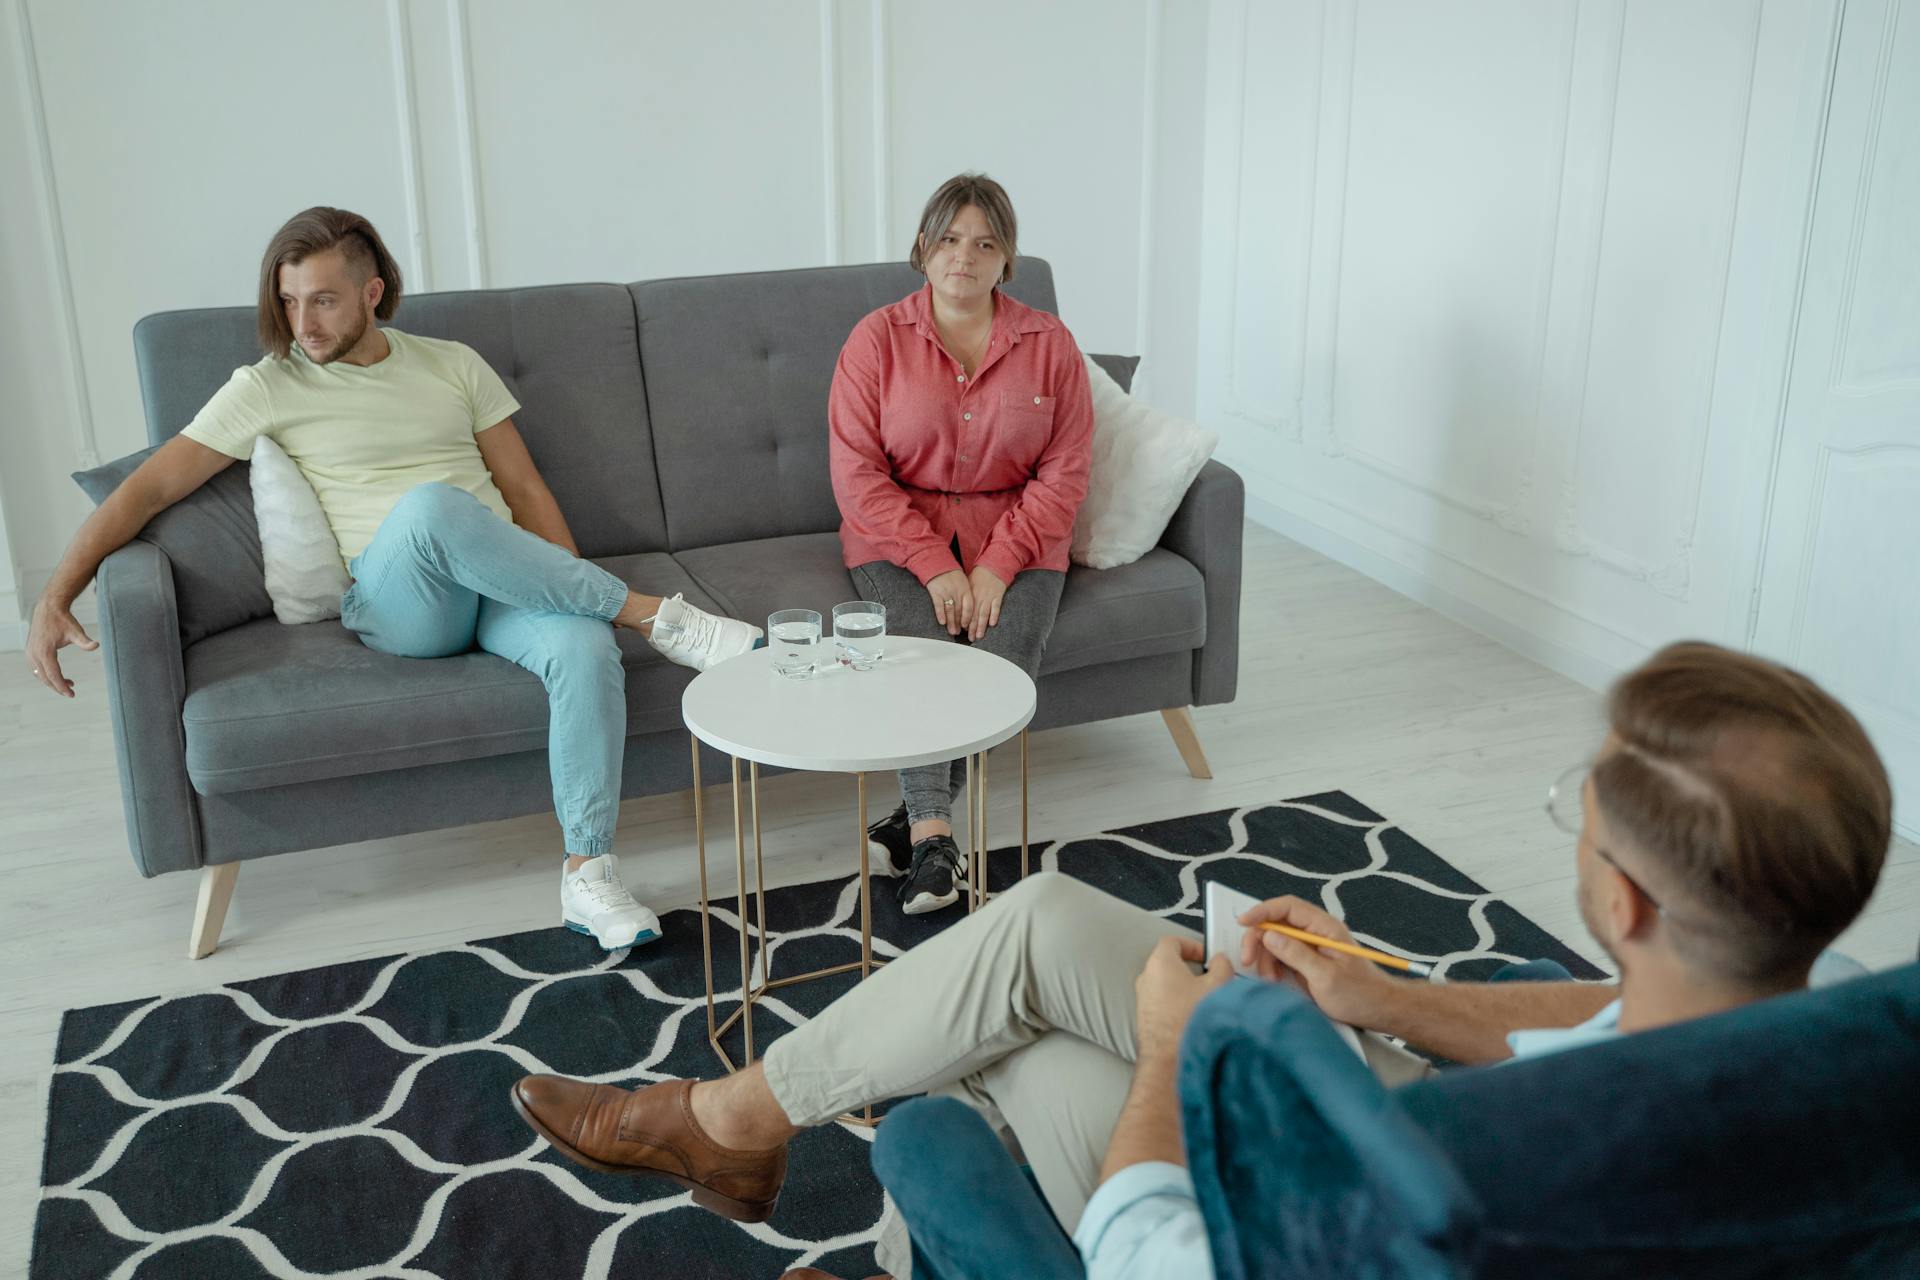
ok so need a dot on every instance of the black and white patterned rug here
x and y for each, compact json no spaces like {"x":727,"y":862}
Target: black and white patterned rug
{"x":352,"y":1121}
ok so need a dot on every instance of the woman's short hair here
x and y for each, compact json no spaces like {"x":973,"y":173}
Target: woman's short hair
{"x":317,"y":230}
{"x":1761,"y":810}
{"x":955,"y":194}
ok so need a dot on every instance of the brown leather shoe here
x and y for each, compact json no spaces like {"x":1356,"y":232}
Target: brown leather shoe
{"x":651,"y":1132}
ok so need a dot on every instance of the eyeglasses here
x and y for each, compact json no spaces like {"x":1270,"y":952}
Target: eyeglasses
{"x":1566,"y":806}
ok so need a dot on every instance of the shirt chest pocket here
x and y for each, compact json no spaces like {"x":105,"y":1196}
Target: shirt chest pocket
{"x":1027,"y":419}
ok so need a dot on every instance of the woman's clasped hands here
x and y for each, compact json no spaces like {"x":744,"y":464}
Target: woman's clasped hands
{"x":967,"y":603}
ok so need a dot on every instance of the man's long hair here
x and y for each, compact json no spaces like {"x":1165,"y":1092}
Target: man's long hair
{"x":317,"y":230}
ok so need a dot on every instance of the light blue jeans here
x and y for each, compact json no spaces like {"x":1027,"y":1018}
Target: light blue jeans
{"x":444,"y":572}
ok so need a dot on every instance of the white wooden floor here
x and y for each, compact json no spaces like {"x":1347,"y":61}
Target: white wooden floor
{"x":1343,"y":684}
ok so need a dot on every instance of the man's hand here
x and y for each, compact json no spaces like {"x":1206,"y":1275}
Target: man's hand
{"x":952,"y":601}
{"x":1345,"y":987}
{"x":987,"y":590}
{"x":54,"y":628}
{"x":1167,"y":990}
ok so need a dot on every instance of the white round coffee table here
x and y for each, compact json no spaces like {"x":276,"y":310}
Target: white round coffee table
{"x":926,"y":701}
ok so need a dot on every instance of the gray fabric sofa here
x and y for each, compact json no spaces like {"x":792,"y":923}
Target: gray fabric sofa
{"x":681,"y":424}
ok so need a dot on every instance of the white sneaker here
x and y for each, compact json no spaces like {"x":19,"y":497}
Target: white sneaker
{"x":695,"y":638}
{"x":594,"y":902}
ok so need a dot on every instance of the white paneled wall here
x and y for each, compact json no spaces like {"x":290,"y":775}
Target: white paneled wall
{"x":1590,"y":322}
{"x":1496,"y":297}
{"x":156,"y":147}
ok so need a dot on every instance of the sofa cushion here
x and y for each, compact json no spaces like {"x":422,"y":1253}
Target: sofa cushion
{"x":738,"y":368}
{"x":1155,"y":605}
{"x":212,"y":541}
{"x":270,"y":705}
{"x":752,"y":579}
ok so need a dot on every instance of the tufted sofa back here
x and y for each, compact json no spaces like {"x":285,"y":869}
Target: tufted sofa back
{"x":566,"y":352}
{"x":665,"y":415}
{"x":737,"y":370}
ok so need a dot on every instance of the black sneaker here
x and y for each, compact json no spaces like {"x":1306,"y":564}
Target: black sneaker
{"x":889,"y":847}
{"x":934,"y":881}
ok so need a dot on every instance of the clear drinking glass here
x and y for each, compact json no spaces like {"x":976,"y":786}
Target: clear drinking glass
{"x":860,"y":633}
{"x":794,"y":635}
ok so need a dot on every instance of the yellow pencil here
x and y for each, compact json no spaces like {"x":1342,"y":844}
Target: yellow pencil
{"x":1416,"y":968}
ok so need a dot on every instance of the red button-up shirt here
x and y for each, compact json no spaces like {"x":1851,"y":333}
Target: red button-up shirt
{"x":923,"y":455}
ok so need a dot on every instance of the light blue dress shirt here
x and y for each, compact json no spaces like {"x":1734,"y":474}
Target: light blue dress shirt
{"x":1143,"y":1223}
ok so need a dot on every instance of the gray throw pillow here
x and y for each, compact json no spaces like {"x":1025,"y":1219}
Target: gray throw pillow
{"x":1119,"y":368}
{"x":219,"y":578}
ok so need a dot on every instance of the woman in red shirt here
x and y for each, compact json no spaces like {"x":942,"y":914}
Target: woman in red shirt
{"x":961,"y":429}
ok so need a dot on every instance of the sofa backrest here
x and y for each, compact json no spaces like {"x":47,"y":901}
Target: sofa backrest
{"x":568,"y":353}
{"x":737,"y":370}
{"x":666,"y":414}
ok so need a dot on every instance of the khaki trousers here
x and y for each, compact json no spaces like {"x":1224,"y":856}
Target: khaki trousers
{"x":1025,"y":1010}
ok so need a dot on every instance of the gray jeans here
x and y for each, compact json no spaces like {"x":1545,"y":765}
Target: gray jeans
{"x":1026,"y":620}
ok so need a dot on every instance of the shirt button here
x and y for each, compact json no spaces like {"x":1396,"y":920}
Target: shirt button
{"x":965,"y":458}
{"x":959,"y":377}
{"x":1036,"y":399}
{"x":966,"y":417}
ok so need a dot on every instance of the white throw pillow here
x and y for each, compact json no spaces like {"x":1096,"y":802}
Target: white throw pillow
{"x":305,"y":576}
{"x":1143,"y":461}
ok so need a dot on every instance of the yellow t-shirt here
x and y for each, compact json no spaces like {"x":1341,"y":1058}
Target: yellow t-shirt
{"x":364,"y":435}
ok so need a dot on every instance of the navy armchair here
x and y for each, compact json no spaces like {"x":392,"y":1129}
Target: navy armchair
{"x":1782,"y":1139}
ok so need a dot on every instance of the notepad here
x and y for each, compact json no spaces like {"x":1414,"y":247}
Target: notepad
{"x":1221,"y":909}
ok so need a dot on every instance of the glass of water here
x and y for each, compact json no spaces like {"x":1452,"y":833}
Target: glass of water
{"x":793,"y":635}
{"x":860,"y":633}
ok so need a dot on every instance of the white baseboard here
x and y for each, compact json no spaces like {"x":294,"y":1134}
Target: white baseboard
{"x":1584,"y":668}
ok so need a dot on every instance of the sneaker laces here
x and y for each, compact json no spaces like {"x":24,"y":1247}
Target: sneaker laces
{"x":607,"y":891}
{"x":945,"y":853}
{"x":897,"y":818}
{"x":695,"y":629}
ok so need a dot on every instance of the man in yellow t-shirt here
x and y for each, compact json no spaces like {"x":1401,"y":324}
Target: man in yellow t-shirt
{"x":450,"y":535}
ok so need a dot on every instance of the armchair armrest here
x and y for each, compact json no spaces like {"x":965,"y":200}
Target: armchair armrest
{"x":1302,"y":1163}
{"x":1207,"y":530}
{"x":146,"y":686}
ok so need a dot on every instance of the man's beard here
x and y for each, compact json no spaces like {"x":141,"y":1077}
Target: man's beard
{"x":344,"y":345}
{"x":1591,"y":918}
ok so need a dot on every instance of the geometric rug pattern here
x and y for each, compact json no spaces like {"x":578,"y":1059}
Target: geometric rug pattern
{"x":351,"y":1121}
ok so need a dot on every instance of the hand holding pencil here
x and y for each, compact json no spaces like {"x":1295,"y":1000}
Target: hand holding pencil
{"x":1290,"y":937}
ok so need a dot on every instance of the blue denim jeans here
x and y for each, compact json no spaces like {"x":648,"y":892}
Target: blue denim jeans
{"x":444,"y":572}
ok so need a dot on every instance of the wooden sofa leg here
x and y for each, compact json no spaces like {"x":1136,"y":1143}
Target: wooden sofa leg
{"x":1180,"y":725}
{"x":210,"y":912}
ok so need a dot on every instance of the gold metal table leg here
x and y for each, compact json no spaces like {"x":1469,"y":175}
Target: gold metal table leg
{"x":1023,"y":804}
{"x":866,"y":880}
{"x":980,"y":877}
{"x":740,"y":869}
{"x":764,"y":956}
{"x":700,"y":847}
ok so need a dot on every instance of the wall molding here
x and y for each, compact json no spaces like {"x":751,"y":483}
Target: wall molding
{"x":1235,"y":404}
{"x":830,"y":131}
{"x":1514,"y":513}
{"x":1149,"y":173}
{"x":463,"y":112}
{"x":882,"y":132}
{"x":400,"y":36}
{"x":1803,"y":257}
{"x":53,"y":232}
{"x":1863,"y":195}
{"x":1673,"y":577}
